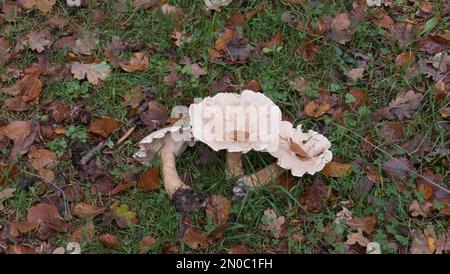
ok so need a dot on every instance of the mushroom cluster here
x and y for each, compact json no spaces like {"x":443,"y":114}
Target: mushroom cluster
{"x":236,"y":123}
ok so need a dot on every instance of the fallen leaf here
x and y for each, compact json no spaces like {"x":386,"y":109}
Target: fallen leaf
{"x":23,"y":143}
{"x":355,"y":73}
{"x":167,"y":9}
{"x":104,"y":126}
{"x":7,"y":193}
{"x":218,"y":209}
{"x":404,"y":105}
{"x":154,"y":116}
{"x":357,"y":238}
{"x":341,"y":21}
{"x":59,"y":111}
{"x":138,"y":62}
{"x":43,"y":5}
{"x":315,"y":194}
{"x":223,"y":40}
{"x":16,"y":130}
{"x":405,"y":58}
{"x":93,"y":72}
{"x":83,"y":233}
{"x":29,"y":87}
{"x":195,"y":239}
{"x":21,"y":227}
{"x":336,"y":169}
{"x":146,"y":244}
{"x":123,"y":215}
{"x":308,"y":51}
{"x":445,"y":112}
{"x":399,"y":168}
{"x":277,"y":40}
{"x":85,"y":45}
{"x":216,"y":4}
{"x":366,"y":224}
{"x":386,"y":22}
{"x":113,"y":50}
{"x":108,"y":240}
{"x":426,"y":7}
{"x":43,"y":161}
{"x":123,"y":186}
{"x":16,"y":104}
{"x":300,"y":84}
{"x":48,"y":218}
{"x":315,"y":109}
{"x":273,"y":223}
{"x":235,"y":21}
{"x":20,"y":249}
{"x":38,"y":41}
{"x":239,"y":249}
{"x":86,"y":211}
{"x":251,"y":85}
{"x":417,"y":209}
{"x":149,"y":179}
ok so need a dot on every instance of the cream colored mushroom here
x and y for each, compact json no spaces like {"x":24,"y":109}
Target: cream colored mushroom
{"x":298,"y":151}
{"x":236,"y":123}
{"x":168,"y":143}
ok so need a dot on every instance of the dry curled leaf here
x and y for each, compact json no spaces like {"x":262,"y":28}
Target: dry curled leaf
{"x":108,"y":240}
{"x":86,"y":211}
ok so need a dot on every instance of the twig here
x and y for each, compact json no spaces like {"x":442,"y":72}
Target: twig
{"x":90,"y":154}
{"x":127,"y":134}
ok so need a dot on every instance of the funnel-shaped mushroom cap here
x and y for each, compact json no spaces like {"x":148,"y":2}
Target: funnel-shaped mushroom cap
{"x":302,"y":152}
{"x":236,"y":122}
{"x":180,"y":137}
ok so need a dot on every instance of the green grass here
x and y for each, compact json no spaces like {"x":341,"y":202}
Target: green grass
{"x":157,"y":216}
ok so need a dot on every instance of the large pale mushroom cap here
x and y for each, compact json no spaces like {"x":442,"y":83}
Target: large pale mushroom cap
{"x":302,"y":152}
{"x":180,"y":137}
{"x":236,"y":122}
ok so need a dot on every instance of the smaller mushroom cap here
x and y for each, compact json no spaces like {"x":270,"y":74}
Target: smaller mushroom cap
{"x":301,"y":152}
{"x":236,"y":122}
{"x":180,"y":134}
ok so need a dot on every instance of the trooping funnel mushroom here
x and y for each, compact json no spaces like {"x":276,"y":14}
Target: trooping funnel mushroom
{"x":236,"y":123}
{"x":168,"y":143}
{"x":298,"y":151}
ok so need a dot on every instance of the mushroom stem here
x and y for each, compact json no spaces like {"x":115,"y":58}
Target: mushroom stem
{"x":263,"y":176}
{"x":234,"y":164}
{"x":172,"y":181}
